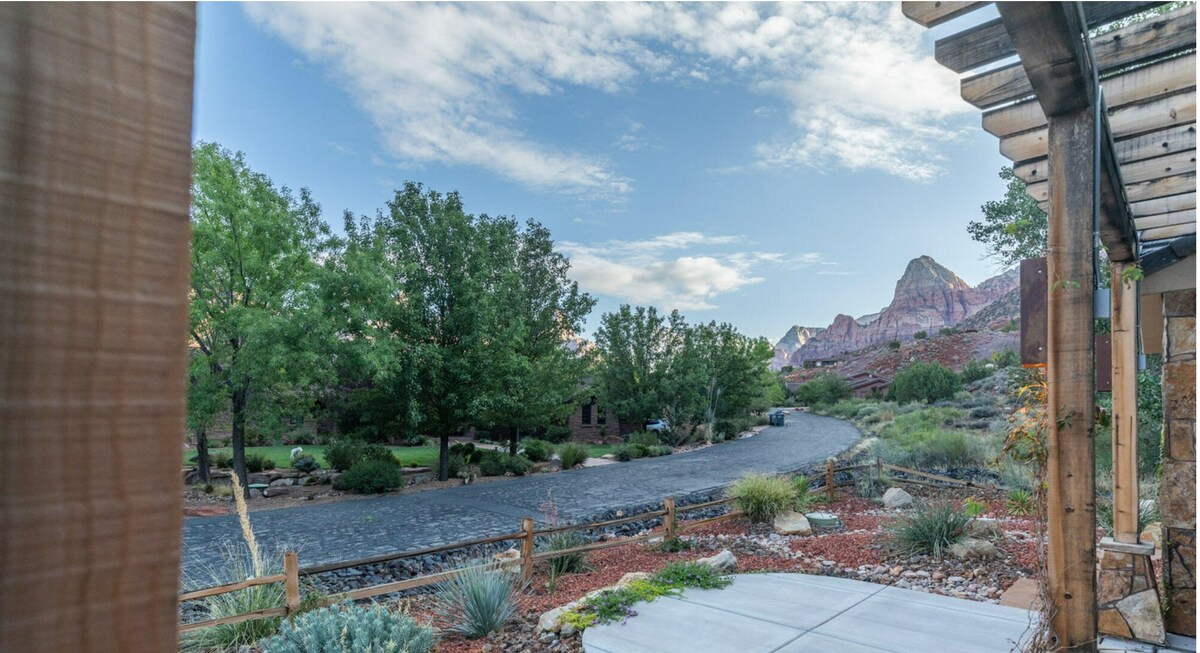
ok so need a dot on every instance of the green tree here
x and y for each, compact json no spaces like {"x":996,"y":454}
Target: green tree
{"x":635,"y":349}
{"x":1013,"y":229}
{"x":824,"y":388}
{"x":255,"y":321}
{"x":927,"y":382}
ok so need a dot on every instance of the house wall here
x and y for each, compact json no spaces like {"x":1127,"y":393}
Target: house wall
{"x":609,"y":431}
{"x":1177,"y":494}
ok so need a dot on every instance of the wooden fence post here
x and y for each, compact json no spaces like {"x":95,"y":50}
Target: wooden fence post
{"x":527,"y":550}
{"x":291,"y":585}
{"x":829,"y":479}
{"x":669,"y":518}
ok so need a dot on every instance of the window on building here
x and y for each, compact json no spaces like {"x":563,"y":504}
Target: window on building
{"x":587,"y":413}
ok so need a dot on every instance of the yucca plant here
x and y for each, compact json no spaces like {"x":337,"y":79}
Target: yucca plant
{"x":1019,"y":502}
{"x":351,"y":629}
{"x":930,"y":528}
{"x":572,"y":454}
{"x":570,"y":563}
{"x":760,"y":497}
{"x":478,"y":599}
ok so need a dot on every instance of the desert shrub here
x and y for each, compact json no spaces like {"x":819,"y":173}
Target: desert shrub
{"x":644,"y":438}
{"x":975,"y":371}
{"x":674,"y":545}
{"x":762,"y":497}
{"x":537,"y":450}
{"x":220,"y":460}
{"x":239,"y":564}
{"x":1006,"y":358}
{"x":371,"y":477}
{"x":927,"y":382}
{"x":895,"y":344}
{"x":947,"y":331}
{"x":1019,"y":502}
{"x":567,"y":564}
{"x":517,"y":465}
{"x":306,"y":463}
{"x":920,"y":335}
{"x":258,"y":462}
{"x":478,"y":600}
{"x":730,"y":427}
{"x":936,"y":448}
{"x":930,"y":528}
{"x":456,"y":464}
{"x":572,"y":454}
{"x":340,"y":455}
{"x":659,"y":450}
{"x":984,"y":412}
{"x":628,"y":452}
{"x":824,"y":388}
{"x":498,"y":463}
{"x":351,"y":628}
{"x":467,"y":450}
{"x":378,"y":452}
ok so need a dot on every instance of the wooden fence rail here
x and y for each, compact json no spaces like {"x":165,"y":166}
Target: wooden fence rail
{"x":527,"y":536}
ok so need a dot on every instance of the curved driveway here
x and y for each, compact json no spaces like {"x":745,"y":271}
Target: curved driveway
{"x":354,"y":529}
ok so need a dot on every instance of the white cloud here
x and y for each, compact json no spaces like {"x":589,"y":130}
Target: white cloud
{"x":675,"y":270}
{"x":442,"y":82}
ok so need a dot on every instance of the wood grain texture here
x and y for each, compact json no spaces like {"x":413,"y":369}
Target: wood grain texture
{"x":1124,"y":404}
{"x":95,"y":166}
{"x":931,"y":14}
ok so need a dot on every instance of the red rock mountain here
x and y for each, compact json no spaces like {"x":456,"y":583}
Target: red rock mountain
{"x":928,"y":297}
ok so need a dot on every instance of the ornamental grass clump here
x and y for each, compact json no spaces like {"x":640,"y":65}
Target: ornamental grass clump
{"x":930,"y":528}
{"x":351,"y":629}
{"x":572,"y":454}
{"x":760,"y":497}
{"x":478,"y":600}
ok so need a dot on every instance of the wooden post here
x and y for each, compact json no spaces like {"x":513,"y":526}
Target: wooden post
{"x":95,"y":171}
{"x":829,"y":479}
{"x":527,"y":550}
{"x":669,"y":518}
{"x":291,"y":585}
{"x":1071,"y":378}
{"x":1124,"y":405}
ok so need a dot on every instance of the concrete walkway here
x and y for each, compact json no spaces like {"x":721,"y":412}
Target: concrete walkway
{"x":797,"y":613}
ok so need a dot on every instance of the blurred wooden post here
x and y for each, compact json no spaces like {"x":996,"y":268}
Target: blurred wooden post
{"x":1124,"y":403}
{"x":669,"y":518}
{"x":527,"y":550}
{"x":829,"y":479}
{"x":291,"y":569}
{"x":95,"y":172}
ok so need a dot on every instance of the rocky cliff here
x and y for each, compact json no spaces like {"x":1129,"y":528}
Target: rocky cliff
{"x":928,"y":297}
{"x":790,"y":342}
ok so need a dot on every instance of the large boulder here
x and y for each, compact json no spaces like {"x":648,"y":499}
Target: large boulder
{"x":896,"y":498}
{"x":981,"y":527}
{"x":283,"y":482}
{"x":551,"y":620}
{"x":969,"y":547}
{"x":792,"y":523}
{"x":278,"y":491}
{"x":723,"y":561}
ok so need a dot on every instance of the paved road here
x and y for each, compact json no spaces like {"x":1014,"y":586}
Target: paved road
{"x":354,"y":529}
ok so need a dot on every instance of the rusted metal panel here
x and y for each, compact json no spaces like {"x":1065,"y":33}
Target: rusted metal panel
{"x":1033,"y":312}
{"x":1103,"y":362}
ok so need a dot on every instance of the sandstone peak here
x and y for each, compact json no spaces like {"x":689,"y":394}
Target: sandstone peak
{"x":796,"y":337}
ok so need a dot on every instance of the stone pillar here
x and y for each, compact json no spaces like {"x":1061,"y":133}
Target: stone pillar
{"x":1177,"y":493}
{"x":1128,"y":594}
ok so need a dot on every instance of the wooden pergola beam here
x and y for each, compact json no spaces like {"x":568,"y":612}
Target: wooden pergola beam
{"x":1048,"y":36}
{"x":1123,"y":292}
{"x":931,"y":14}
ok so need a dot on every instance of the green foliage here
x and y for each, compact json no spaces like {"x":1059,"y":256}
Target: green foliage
{"x":925,"y":438}
{"x":478,"y":600}
{"x":1013,"y":325}
{"x":824,"y":388}
{"x":457,"y":464}
{"x":804,"y":497}
{"x":467,"y":451}
{"x":974,"y":507}
{"x":947,"y":331}
{"x":1019,"y":502}
{"x":674,"y":545}
{"x":730,"y":427}
{"x":537,"y":450}
{"x":498,"y":463}
{"x":616,"y":604}
{"x":920,"y":335}
{"x":681,"y":575}
{"x":1014,"y":228}
{"x":894,"y":345}
{"x":628,"y":452}
{"x":572,"y":454}
{"x":762,"y":497}
{"x":557,"y":434}
{"x":644,"y":438}
{"x":1006,"y":358}
{"x":975,"y":370}
{"x":925,"y":382}
{"x":570,"y":563}
{"x":257,"y":462}
{"x":930,"y":528}
{"x":306,"y":463}
{"x":351,"y":628}
{"x":238,"y":566}
{"x":220,"y":460}
{"x":659,"y":450}
{"x":371,"y":477}
{"x":340,"y":455}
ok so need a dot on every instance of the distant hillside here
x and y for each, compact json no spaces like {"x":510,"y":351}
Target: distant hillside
{"x":790,"y":342}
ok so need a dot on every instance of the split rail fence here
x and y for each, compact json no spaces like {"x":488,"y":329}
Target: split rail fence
{"x":673,"y":526}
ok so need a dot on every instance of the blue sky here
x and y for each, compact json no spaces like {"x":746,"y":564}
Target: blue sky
{"x":765,"y":165}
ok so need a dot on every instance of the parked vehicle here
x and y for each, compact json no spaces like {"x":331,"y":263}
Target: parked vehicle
{"x":658,"y":425}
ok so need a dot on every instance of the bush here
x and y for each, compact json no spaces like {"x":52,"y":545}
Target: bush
{"x":681,"y":575}
{"x":378,"y":452}
{"x":730,"y":427}
{"x":568,"y":564}
{"x":498,"y":463}
{"x":351,"y":628}
{"x":414,"y":440}
{"x":762,"y":497}
{"x":340,"y":455}
{"x":306,"y":463}
{"x":895,"y":344}
{"x":517,"y":465}
{"x":467,"y":450}
{"x":258,"y":462}
{"x":947,"y":331}
{"x":927,"y":382}
{"x":572,"y":454}
{"x":644,"y":438}
{"x":456,"y":464}
{"x":557,"y":434}
{"x":239,"y":566}
{"x":804,"y":498}
{"x":1006,"y":358}
{"x":824,"y":388}
{"x":975,"y":371}
{"x":659,"y":450}
{"x":478,"y":600}
{"x":537,"y":450}
{"x":1019,"y":502}
{"x":920,"y":335}
{"x":371,"y":477}
{"x":220,"y":460}
{"x":930,"y":528}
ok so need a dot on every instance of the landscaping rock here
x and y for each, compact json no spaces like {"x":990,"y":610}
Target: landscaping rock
{"x":257,"y":479}
{"x":551,"y":620}
{"x":792,"y":523}
{"x":275,"y":492}
{"x":283,"y":482}
{"x":972,"y":548}
{"x":255,"y":494}
{"x":509,"y":558}
{"x":723,"y":561}
{"x":985,"y":528}
{"x":896,"y":498}
{"x":630,"y":577}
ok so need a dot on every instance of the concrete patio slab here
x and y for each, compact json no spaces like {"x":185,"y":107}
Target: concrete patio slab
{"x":796,"y":613}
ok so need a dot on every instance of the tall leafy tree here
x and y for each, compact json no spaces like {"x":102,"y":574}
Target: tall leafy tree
{"x":636,"y":348}
{"x":253,"y":312}
{"x":1013,"y":228}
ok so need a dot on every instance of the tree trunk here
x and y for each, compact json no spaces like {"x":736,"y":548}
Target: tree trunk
{"x":512,"y":442}
{"x":444,"y":458}
{"x":202,"y":463}
{"x":238,"y":439}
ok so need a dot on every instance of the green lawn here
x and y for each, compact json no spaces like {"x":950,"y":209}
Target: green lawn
{"x":408,"y":456}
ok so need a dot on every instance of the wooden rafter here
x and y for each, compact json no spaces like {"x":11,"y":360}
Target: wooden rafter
{"x":930,"y":14}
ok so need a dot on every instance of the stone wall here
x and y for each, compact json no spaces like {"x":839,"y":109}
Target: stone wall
{"x":1177,"y":496}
